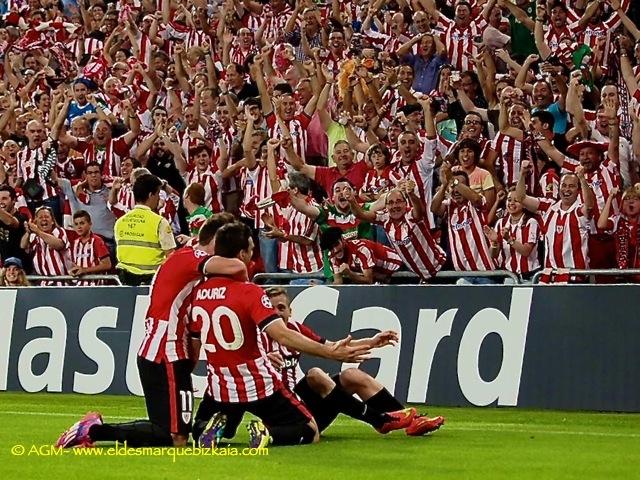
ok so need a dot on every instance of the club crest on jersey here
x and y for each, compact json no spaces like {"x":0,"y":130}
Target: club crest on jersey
{"x":266,"y":303}
{"x":186,"y":417}
{"x":559,"y":229}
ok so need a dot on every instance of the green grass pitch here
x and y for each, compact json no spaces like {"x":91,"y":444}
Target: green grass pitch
{"x":474,"y":443}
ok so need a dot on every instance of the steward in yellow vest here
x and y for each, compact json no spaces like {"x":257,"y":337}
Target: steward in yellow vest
{"x":144,"y":239}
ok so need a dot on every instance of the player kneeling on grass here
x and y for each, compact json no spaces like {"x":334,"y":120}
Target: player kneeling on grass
{"x":229,"y":317}
{"x":324,"y":396}
{"x":164,"y":360}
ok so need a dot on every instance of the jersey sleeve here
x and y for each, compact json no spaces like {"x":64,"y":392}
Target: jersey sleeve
{"x":260,"y":307}
{"x":365,"y":257}
{"x":534,"y":231}
{"x":101,"y":250}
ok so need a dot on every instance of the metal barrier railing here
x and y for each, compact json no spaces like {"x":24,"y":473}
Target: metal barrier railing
{"x":266,"y":278}
{"x":612,"y":272}
{"x":69,"y":278}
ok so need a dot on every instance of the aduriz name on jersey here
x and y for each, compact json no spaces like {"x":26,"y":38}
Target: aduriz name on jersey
{"x":212,"y":293}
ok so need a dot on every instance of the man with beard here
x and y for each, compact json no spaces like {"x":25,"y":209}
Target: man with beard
{"x":337,"y":213}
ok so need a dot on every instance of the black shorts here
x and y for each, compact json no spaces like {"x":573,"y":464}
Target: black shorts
{"x":280,"y":408}
{"x":168,"y":393}
{"x":323,"y":412}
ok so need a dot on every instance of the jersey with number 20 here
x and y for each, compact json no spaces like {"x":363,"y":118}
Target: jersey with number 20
{"x":229,"y":316}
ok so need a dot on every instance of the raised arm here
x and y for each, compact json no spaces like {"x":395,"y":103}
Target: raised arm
{"x":530,"y":203}
{"x":588,"y":197}
{"x":518,"y":13}
{"x":538,"y":32}
{"x":603,"y":219}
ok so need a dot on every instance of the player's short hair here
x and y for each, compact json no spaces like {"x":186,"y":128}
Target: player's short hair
{"x":544,"y":117}
{"x":195,"y":192}
{"x":231,"y":239}
{"x":145,"y":186}
{"x":212,"y":225}
{"x":275,"y":291}
{"x":330,"y":238}
{"x":82,"y":214}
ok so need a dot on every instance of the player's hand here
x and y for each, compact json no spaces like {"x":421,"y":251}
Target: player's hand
{"x":276,"y":360}
{"x":343,"y":350}
{"x":182,"y":239}
{"x":343,"y":270}
{"x":382,"y":339}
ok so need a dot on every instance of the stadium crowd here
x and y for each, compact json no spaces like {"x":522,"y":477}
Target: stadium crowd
{"x":356,"y":137}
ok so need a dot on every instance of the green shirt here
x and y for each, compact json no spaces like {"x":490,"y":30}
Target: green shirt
{"x":197,"y":219}
{"x":351,"y":228}
{"x":523,"y":43}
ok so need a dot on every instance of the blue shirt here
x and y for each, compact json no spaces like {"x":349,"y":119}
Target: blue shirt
{"x":425,"y":71}
{"x":560,"y":117}
{"x":76,"y":110}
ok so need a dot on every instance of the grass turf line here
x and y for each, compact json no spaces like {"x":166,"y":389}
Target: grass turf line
{"x":474,"y":443}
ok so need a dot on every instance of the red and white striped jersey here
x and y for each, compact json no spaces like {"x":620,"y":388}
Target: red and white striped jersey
{"x":298,"y":129}
{"x":144,"y":48}
{"x":229,"y":316}
{"x":291,"y":373}
{"x":28,"y":162}
{"x":412,"y":240}
{"x":46,"y":260}
{"x":550,"y":184}
{"x":525,"y":230}
{"x":566,"y":234}
{"x":239,"y":56}
{"x":294,"y":256}
{"x":421,"y":172}
{"x":468,"y":243}
{"x":210,"y":181}
{"x":553,"y":35}
{"x":591,"y":33}
{"x":361,"y":255}
{"x":459,"y":41}
{"x":256,"y":187}
{"x":196,"y":38}
{"x":109,"y":156}
{"x":189,"y":140}
{"x":274,"y":29}
{"x":92,"y":45}
{"x":602,"y":180}
{"x":166,"y":334}
{"x":125,"y":201}
{"x":88,"y":253}
{"x":509,"y":157}
{"x":375,"y":183}
{"x":389,"y":43}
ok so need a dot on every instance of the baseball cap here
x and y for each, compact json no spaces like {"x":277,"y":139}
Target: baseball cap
{"x":16,"y":262}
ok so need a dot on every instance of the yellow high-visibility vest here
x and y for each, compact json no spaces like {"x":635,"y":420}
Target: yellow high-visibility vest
{"x":138,"y":243}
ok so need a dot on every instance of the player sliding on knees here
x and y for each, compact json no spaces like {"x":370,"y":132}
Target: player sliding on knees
{"x":324,"y":396}
{"x":229,"y":316}
{"x":165,"y":361}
